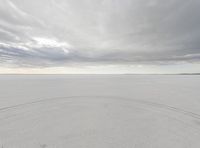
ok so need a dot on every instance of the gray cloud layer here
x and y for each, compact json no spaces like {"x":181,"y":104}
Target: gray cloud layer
{"x":46,"y":33}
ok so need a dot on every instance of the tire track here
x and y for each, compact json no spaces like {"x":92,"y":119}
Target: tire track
{"x":113,"y":98}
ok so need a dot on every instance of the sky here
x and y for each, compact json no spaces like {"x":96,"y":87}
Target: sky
{"x":99,"y":36}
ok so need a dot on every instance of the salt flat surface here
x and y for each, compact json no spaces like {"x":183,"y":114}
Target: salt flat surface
{"x":99,"y":111}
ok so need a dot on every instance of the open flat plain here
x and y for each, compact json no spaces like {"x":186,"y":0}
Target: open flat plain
{"x":99,"y":111}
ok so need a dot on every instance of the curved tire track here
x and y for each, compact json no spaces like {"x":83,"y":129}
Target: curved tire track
{"x":144,"y":102}
{"x":116,"y":100}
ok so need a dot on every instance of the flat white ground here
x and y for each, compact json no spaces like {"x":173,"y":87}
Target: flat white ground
{"x":99,"y":111}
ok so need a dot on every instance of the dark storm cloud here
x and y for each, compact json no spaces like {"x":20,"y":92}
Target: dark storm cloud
{"x":46,"y":33}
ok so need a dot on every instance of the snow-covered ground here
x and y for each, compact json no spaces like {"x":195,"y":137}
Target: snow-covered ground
{"x":99,"y":111}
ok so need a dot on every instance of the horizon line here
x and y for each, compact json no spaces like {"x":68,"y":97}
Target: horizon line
{"x":99,"y":73}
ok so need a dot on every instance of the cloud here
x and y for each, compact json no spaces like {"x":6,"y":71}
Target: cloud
{"x":52,"y":33}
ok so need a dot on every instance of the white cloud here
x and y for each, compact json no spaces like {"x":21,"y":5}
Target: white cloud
{"x":47,"y":42}
{"x":53,"y":33}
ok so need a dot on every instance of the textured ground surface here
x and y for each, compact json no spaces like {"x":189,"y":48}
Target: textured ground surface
{"x":100,"y":111}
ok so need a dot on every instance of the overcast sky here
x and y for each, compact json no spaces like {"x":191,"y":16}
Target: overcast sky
{"x":99,"y":36}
